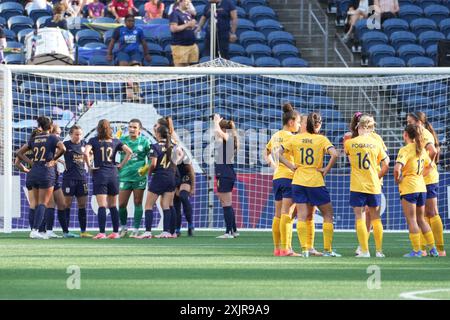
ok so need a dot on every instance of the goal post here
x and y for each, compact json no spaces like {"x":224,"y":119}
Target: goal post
{"x":252,"y":97}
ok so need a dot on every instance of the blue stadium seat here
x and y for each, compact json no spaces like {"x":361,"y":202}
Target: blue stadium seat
{"x":108,"y":35}
{"x":263,"y":101}
{"x":270,"y":115}
{"x":408,"y":51}
{"x":238,"y":100}
{"x":248,"y":4}
{"x":180,"y":100}
{"x":98,"y":60}
{"x":393,"y":25}
{"x":2,"y":22}
{"x":155,"y":49}
{"x":36,"y":14}
{"x":279,"y":37}
{"x":436,"y":89}
{"x":10,"y":9}
{"x":307,"y":90}
{"x":159,"y":21}
{"x":428,"y":38}
{"x":253,"y":89}
{"x":164,"y":37}
{"x":400,"y":38}
{"x":158,"y":61}
{"x":341,"y":12}
{"x":243,"y":60}
{"x":410,"y":12}
{"x":267,"y":62}
{"x":225,"y":88}
{"x":199,"y":9}
{"x":23,"y":34}
{"x":15,"y":45}
{"x":372,"y":38}
{"x":88,"y":86}
{"x":420,"y":62}
{"x":282,"y":89}
{"x":242,"y":14}
{"x":391,"y":62}
{"x":422,"y":24}
{"x":204,"y":59}
{"x":426,"y":3}
{"x":42,"y":20}
{"x":27,"y":113}
{"x":440,"y":102}
{"x":261,"y":12}
{"x":15,"y":58}
{"x":258,"y":50}
{"x":33,"y":87}
{"x":10,"y":35}
{"x":244,"y":25}
{"x":17,"y":23}
{"x":96,"y":45}
{"x":104,"y":20}
{"x":319,"y":102}
{"x":283,"y":51}
{"x":444,"y":26}
{"x":361,"y":28}
{"x":267,"y":26}
{"x":251,"y":37}
{"x":86,"y":36}
{"x":379,"y":51}
{"x":296,"y":101}
{"x":331,"y":115}
{"x":417,"y":102}
{"x":336,"y":128}
{"x":294,"y":63}
{"x":149,"y":35}
{"x":436,"y":12}
{"x":431,"y":52}
{"x":236,"y":50}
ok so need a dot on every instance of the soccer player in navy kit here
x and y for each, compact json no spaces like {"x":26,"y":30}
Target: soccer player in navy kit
{"x":47,"y":149}
{"x":185,"y":179}
{"x":74,"y":178}
{"x":226,"y":177}
{"x":105,"y":175}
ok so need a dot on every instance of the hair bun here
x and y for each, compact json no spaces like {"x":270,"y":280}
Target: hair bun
{"x":287,"y":107}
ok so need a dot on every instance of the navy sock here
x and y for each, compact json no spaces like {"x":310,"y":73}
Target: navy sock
{"x":62,"y":220}
{"x":31,"y":217}
{"x":167,"y":214}
{"x":102,"y":219}
{"x":115,"y":218}
{"x":38,"y":216}
{"x":177,"y":206}
{"x":82,"y":219}
{"x":173,"y":220}
{"x":228,"y":216}
{"x":148,"y":220}
{"x":233,"y":223}
{"x":49,"y":218}
{"x":42,"y":226}
{"x":187,"y":207}
{"x":67,"y":213}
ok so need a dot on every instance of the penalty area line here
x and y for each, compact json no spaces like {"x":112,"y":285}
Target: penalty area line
{"x":415,"y":295}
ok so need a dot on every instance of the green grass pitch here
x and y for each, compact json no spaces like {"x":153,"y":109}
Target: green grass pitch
{"x":203,"y":267}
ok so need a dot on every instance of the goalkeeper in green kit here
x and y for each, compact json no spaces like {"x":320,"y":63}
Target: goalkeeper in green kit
{"x":130,"y":180}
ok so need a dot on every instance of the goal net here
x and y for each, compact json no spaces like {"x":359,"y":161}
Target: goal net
{"x":251,"y":97}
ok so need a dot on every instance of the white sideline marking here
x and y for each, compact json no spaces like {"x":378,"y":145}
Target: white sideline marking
{"x":414,"y":294}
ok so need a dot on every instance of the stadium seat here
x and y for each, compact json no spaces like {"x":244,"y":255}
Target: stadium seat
{"x":421,"y":25}
{"x":244,"y":25}
{"x":251,"y":37}
{"x":32,"y":87}
{"x":296,"y":101}
{"x":228,"y":88}
{"x":155,"y":49}
{"x":15,"y":45}
{"x":104,"y":20}
{"x":96,"y":45}
{"x":238,"y":100}
{"x":236,"y":50}
{"x":242,"y":14}
{"x":331,"y":115}
{"x":42,"y":20}
{"x":108,"y":35}
{"x":243,"y":60}
{"x":426,"y":3}
{"x":308,"y":90}
{"x":372,"y":38}
{"x":36,"y":14}
{"x":159,"y":21}
{"x":431,"y":52}
{"x":10,"y":9}
{"x":86,"y":36}
{"x":204,"y":59}
{"x":180,"y":100}
{"x":261,"y":12}
{"x":269,"y":115}
{"x":164,"y":38}
{"x":10,"y":35}
{"x":436,"y":89}
{"x":361,"y":28}
{"x":400,"y":38}
{"x":321,"y":102}
{"x":199,"y":9}
{"x":334,"y":127}
{"x":393,"y":25}
{"x":408,"y":51}
{"x":267,"y":26}
{"x":436,"y":12}
{"x":267,"y":62}
{"x":168,"y":51}
{"x":254,"y":89}
{"x":283,"y":51}
{"x":379,"y":51}
{"x":248,"y":4}
{"x":263,"y":101}
{"x":17,"y":23}
{"x":98,"y":60}
{"x":21,"y":36}
{"x":294,"y":63}
{"x":444,"y":26}
{"x":279,"y":37}
{"x":439,"y":102}
{"x":282,"y":89}
{"x":341,"y":12}
{"x":420,"y":62}
{"x":158,"y":61}
{"x":258,"y":50}
{"x":391,"y":62}
{"x":428,"y":38}
{"x":410,"y":12}
{"x":2,"y":22}
{"x":416,"y":102}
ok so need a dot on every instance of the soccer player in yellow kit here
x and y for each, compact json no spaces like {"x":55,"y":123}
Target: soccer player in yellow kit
{"x":308,"y":184}
{"x":431,"y":180}
{"x":411,"y":165}
{"x":365,"y":154}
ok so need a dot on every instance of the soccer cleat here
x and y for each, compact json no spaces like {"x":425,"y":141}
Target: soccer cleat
{"x":190,"y":232}
{"x":164,"y":235}
{"x":123,"y":232}
{"x":44,"y":235}
{"x":358,"y":251}
{"x":331,"y":254}
{"x":313,"y":252}
{"x":380,"y":254}
{"x":34,"y":234}
{"x":291,"y":253}
{"x":114,"y":235}
{"x":433,"y":252}
{"x":363,"y":255}
{"x":85,"y":235}
{"x":276,"y":252}
{"x":225,"y":236}
{"x":424,"y":253}
{"x":176,"y":235}
{"x":413,"y":254}
{"x":52,"y":235}
{"x":442,"y":253}
{"x":305,"y":254}
{"x":145,"y":235}
{"x":69,"y":235}
{"x":99,"y":236}
{"x":135,"y":234}
{"x":235,"y":234}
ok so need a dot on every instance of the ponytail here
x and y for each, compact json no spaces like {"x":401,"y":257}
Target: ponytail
{"x":415,"y":133}
{"x":422,"y":117}
{"x":164,"y":133}
{"x":230,"y":125}
{"x":289,"y":113}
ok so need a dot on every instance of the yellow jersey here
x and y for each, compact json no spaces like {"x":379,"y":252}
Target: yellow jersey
{"x":433,"y":176}
{"x":383,"y":145}
{"x":308,"y":150}
{"x":365,"y":154}
{"x":273,"y":146}
{"x":412,"y":170}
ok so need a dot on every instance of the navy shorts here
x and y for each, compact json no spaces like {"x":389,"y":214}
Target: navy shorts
{"x":282,"y":188}
{"x":225,"y":185}
{"x":57,"y":184}
{"x":129,"y":57}
{"x":77,"y":188}
{"x":184,"y":179}
{"x":41,"y":183}
{"x":432,"y":191}
{"x":109,"y":186}
{"x":417,"y":198}
{"x":361,"y":199}
{"x":41,"y":178}
{"x":315,"y":196}
{"x":28,"y":183}
{"x":160,"y":185}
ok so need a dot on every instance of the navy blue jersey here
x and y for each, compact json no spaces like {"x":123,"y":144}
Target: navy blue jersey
{"x":74,"y":161}
{"x":105,"y":154}
{"x":224,"y":8}
{"x":43,"y":147}
{"x":185,"y":37}
{"x":164,"y":165}
{"x":225,"y":161}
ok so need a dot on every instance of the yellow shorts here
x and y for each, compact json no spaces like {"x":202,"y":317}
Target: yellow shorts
{"x":185,"y":54}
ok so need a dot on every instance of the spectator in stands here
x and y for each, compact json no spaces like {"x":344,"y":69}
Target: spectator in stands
{"x":96,"y":9}
{"x":129,"y":38}
{"x":154,"y":9}
{"x":182,"y":26}
{"x":227,"y":21}
{"x":122,"y":8}
{"x":35,"y":5}
{"x":191,"y":8}
{"x":58,"y":20}
{"x":358,"y":9}
{"x":386,"y":9}
{"x":2,"y":44}
{"x":73,"y":8}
